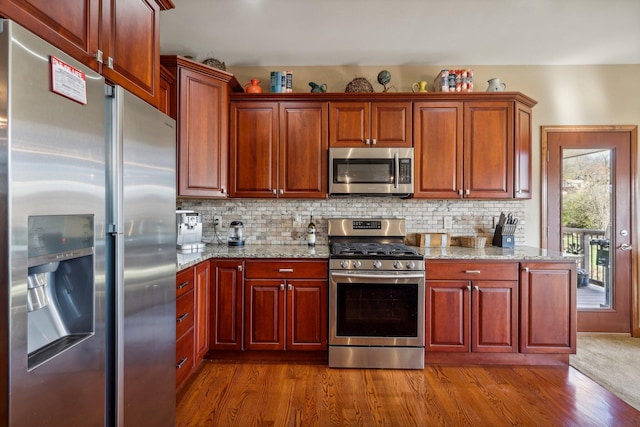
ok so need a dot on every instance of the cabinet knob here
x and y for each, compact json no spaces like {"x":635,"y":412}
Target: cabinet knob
{"x":281,"y":191}
{"x":366,"y":141}
{"x":460,"y":192}
{"x":274,"y":191}
{"x":290,"y":287}
{"x":181,"y":363}
{"x":110,"y":62}
{"x":467,"y":192}
{"x":525,"y":269}
{"x":240,"y":268}
{"x":182,"y":318}
{"x":182,"y":285}
{"x":469,"y":288}
{"x":373,"y":141}
{"x":282,"y":286}
{"x":477,"y":288}
{"x":472,"y":272}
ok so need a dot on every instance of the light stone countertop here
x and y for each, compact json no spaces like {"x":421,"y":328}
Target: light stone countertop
{"x":519,"y":253}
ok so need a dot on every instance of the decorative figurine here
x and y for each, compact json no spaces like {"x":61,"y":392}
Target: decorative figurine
{"x":316,"y":88}
{"x":384,"y":77}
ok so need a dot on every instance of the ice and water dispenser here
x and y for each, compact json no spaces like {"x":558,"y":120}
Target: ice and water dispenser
{"x":60,"y":284}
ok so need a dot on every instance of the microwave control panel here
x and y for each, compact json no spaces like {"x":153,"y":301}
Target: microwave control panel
{"x":404,"y":174}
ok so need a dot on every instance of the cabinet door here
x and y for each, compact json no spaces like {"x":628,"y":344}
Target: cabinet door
{"x":548,"y":307}
{"x":265,"y":311}
{"x":202,"y":310}
{"x":522,"y":152}
{"x":438,"y":149}
{"x":391,"y":124}
{"x":447,"y":316}
{"x":494,"y":318}
{"x":488,"y":150}
{"x":307,"y":314}
{"x":226,"y":317}
{"x":70,"y":25}
{"x":165,"y":102}
{"x":303,"y":149}
{"x":350,"y":124}
{"x":131,"y":38}
{"x":202,"y":135}
{"x":254,"y":149}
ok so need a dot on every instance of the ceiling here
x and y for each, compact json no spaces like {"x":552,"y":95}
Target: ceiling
{"x":404,"y":32}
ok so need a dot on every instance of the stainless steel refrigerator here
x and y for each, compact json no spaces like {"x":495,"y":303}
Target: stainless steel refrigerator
{"x":87,"y":211}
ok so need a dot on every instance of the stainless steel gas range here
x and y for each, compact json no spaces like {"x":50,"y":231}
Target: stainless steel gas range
{"x":376,"y":296}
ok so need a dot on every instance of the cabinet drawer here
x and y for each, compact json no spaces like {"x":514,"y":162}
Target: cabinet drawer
{"x":477,"y":270}
{"x":184,"y":281}
{"x":184,"y":357}
{"x":286,"y":270}
{"x":184,"y":314}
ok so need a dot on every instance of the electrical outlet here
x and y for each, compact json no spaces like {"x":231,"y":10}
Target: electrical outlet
{"x":496,"y":220}
{"x":217,"y":220}
{"x":448,"y":222}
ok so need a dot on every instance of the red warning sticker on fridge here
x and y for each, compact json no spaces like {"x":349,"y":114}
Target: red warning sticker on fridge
{"x":68,"y":81}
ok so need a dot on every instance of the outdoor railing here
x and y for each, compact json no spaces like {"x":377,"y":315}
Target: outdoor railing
{"x":592,"y":247}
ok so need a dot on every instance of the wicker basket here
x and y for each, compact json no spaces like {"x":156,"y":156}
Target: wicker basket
{"x":472,"y":241}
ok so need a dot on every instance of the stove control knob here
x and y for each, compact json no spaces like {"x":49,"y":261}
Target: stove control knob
{"x":357,"y":264}
{"x":411,"y":265}
{"x":397,"y":265}
{"x":377,"y":264}
{"x":344,"y":264}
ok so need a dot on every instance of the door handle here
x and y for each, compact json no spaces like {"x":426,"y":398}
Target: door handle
{"x":625,"y":247}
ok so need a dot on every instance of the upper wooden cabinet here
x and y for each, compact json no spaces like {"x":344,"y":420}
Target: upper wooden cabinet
{"x":374,"y":124}
{"x":118,"y":38}
{"x":476,"y":149}
{"x":278,"y":149}
{"x":199,"y":100}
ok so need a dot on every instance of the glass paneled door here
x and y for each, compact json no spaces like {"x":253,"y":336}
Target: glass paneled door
{"x":589,"y":218}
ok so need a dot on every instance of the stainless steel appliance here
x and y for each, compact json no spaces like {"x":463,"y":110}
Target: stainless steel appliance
{"x":376,"y":296}
{"x":371,"y":171}
{"x":87,"y":200}
{"x":189,"y":225}
{"x":236,"y":234}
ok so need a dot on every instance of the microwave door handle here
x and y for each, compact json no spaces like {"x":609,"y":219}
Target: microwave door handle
{"x":396,"y":170}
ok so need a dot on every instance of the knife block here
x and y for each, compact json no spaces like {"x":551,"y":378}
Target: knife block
{"x":504,"y":238}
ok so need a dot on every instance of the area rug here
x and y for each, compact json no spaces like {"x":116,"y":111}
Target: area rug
{"x":611,"y":360}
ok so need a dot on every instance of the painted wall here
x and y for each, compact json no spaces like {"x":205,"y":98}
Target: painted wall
{"x":566,"y":95}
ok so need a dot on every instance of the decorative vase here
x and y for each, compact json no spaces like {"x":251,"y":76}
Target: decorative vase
{"x":253,"y":86}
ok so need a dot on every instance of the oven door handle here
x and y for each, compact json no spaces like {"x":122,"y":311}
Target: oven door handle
{"x":380,"y":276}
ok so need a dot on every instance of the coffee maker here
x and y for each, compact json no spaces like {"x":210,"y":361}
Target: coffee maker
{"x":189,"y":231}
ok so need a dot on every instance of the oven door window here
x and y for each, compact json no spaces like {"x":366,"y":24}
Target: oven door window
{"x":363,"y":171}
{"x":377,"y":310}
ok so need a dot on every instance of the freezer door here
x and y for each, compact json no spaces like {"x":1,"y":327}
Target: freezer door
{"x":52,"y":162}
{"x":143,"y":184}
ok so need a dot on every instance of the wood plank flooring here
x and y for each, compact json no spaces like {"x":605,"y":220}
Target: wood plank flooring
{"x":225,"y":393}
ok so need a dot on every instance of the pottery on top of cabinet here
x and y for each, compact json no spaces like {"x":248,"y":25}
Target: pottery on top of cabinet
{"x":253,"y":86}
{"x":496,"y":86}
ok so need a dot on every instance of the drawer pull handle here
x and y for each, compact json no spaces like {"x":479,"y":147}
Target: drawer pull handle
{"x":183,"y":317}
{"x":181,"y":363}
{"x":285,"y":270}
{"x":472,"y":271}
{"x":477,"y":288}
{"x":182,"y":285}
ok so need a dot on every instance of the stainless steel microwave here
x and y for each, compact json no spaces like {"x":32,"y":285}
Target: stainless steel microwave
{"x":371,"y":171}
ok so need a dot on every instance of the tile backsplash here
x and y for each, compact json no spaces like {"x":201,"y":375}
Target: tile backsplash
{"x":271,"y":221}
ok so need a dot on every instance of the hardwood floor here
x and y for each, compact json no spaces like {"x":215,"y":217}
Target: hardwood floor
{"x":293,"y":394}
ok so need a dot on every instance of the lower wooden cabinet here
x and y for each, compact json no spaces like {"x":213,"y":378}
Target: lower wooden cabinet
{"x":227,"y":314}
{"x":286,"y":305}
{"x":548,"y":307}
{"x":192,"y":319}
{"x":184,"y":325}
{"x":201,"y":312}
{"x":500,"y":307}
{"x":471,"y":307}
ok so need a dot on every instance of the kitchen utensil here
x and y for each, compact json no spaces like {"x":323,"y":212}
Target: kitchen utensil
{"x":236,"y":234}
